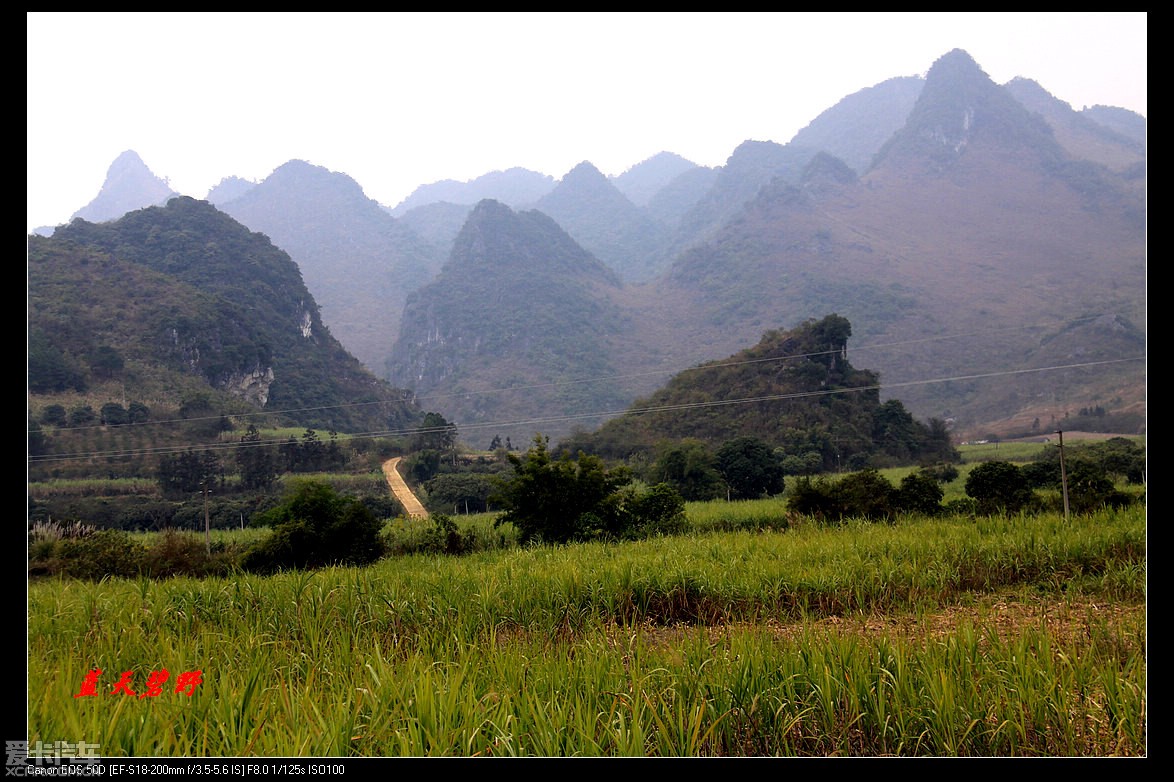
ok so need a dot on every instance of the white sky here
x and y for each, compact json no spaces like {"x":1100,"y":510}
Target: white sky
{"x":396,"y":100}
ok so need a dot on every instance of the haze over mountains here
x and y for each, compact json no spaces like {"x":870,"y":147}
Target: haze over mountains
{"x":978,"y":237}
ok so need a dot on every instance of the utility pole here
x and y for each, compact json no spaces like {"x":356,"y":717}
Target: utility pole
{"x":1063,"y":474}
{"x":207,"y":526}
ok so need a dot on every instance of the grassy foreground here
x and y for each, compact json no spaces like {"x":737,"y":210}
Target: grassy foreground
{"x":1007,"y":636}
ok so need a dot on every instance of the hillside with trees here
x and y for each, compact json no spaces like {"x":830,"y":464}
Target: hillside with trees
{"x":518,"y":304}
{"x":795,"y":390}
{"x":176,"y":303}
{"x":359,"y":262}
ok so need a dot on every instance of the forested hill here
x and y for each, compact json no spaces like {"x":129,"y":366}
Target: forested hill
{"x":795,"y":390}
{"x":170,"y":300}
{"x":519,"y":307}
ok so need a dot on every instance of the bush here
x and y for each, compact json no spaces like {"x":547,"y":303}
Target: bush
{"x":963,"y":506}
{"x":177,"y":553}
{"x":104,"y":553}
{"x":564,"y":500}
{"x":866,"y":495}
{"x":54,"y":415}
{"x":658,"y":511}
{"x":920,"y":493}
{"x":813,"y":498}
{"x":442,"y":534}
{"x":750,"y":468}
{"x":942,"y":473}
{"x":314,"y":526}
{"x":1089,"y":489}
{"x":998,"y":487}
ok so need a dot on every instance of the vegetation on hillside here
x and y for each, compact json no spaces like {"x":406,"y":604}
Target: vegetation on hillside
{"x":796,"y":391}
{"x":169,"y":300}
{"x":518,"y":299}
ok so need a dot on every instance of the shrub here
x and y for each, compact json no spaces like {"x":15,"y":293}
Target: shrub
{"x":54,"y":415}
{"x":814,"y":498}
{"x":942,"y":473}
{"x":963,"y":506}
{"x":176,"y":553}
{"x":104,"y":553}
{"x":564,"y":500}
{"x":556,"y":501}
{"x":314,"y":526}
{"x":865,"y":494}
{"x":998,"y":486}
{"x":658,"y":511}
{"x":919,"y":492}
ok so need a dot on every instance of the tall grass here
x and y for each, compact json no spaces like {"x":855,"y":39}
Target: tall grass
{"x":722,"y":643}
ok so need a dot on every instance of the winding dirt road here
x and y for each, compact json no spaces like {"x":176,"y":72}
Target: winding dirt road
{"x":412,"y":506}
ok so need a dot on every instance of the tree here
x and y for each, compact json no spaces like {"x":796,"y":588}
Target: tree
{"x":114,"y":414}
{"x":865,"y":494}
{"x":49,"y":369}
{"x":557,"y":501}
{"x":809,"y":463}
{"x":105,"y":362}
{"x":998,"y":486}
{"x":1090,"y":488}
{"x":435,"y":434}
{"x":290,"y":454}
{"x":658,"y":511}
{"x":37,"y":442}
{"x":937,"y":443}
{"x":82,"y":415}
{"x":750,"y":468}
{"x":188,"y":472}
{"x":459,"y":492}
{"x":257,"y":461}
{"x":311,"y":452}
{"x":423,"y":466}
{"x":205,"y":420}
{"x":690,"y":468}
{"x":54,"y":415}
{"x":894,"y":431}
{"x":919,"y":492}
{"x":314,"y":526}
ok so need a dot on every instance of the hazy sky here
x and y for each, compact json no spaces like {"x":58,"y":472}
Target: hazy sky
{"x":396,"y":100}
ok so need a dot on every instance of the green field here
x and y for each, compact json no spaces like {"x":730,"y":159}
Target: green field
{"x":1002,"y":636}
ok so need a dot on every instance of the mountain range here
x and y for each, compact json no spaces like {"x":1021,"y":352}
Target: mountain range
{"x":986,"y":242}
{"x":181,"y":309}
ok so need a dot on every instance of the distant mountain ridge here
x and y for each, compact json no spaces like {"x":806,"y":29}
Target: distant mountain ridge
{"x":641,"y":183}
{"x":980,"y":206}
{"x":591,"y":208}
{"x":359,"y":261}
{"x":129,"y":185}
{"x":970,"y":217}
{"x":860,"y":124}
{"x":518,"y":303}
{"x":514,"y":187}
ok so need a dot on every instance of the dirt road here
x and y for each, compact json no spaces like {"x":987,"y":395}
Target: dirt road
{"x":401,"y":491}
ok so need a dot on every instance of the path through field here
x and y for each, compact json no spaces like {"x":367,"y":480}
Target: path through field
{"x":412,"y":506}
